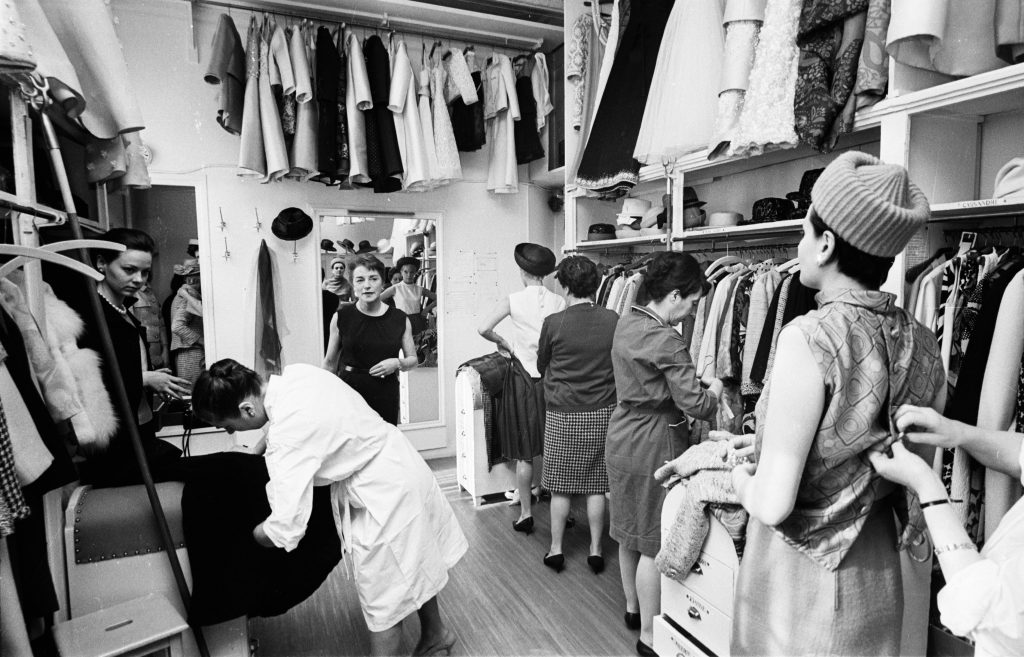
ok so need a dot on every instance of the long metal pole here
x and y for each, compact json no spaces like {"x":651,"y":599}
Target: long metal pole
{"x":120,"y":395}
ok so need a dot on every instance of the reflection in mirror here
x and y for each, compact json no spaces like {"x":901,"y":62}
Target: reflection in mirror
{"x":407,"y":248}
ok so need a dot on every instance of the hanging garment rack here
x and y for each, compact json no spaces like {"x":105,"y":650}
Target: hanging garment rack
{"x":384,"y":21}
{"x":21,"y":99}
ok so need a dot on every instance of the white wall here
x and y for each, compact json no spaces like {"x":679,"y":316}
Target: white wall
{"x":179,"y":109}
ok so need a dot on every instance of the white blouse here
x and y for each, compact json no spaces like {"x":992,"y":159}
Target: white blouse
{"x":985,"y":600}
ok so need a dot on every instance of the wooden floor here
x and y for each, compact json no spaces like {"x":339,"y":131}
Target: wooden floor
{"x":500,"y":600}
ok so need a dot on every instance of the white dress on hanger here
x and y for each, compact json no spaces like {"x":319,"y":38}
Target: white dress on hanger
{"x":303,"y":154}
{"x":541,"y":94}
{"x":501,"y":108}
{"x":448,"y":161}
{"x":402,"y":104}
{"x":357,"y":99}
{"x":270,"y":119}
{"x":679,"y":116}
{"x":252,"y":158}
{"x":427,"y":122}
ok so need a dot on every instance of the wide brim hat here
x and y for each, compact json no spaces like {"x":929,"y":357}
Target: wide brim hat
{"x":690,"y":199}
{"x":384,"y":245}
{"x":634,"y":207}
{"x":327,"y":245}
{"x":534,"y":259}
{"x":291,"y":224}
{"x":366,"y":247}
{"x":407,"y":260}
{"x":347,"y":246}
{"x":188,"y":267}
{"x":598,"y":232}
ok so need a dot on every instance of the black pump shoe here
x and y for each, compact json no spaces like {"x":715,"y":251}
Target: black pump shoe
{"x":632,"y":619}
{"x":596,"y":563}
{"x":525,"y":525}
{"x":555,"y":562}
{"x":644,"y":650}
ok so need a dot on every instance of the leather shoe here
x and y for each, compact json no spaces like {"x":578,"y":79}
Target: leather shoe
{"x":525,"y":525}
{"x":632,"y":619}
{"x":596,"y":563}
{"x":555,"y":562}
{"x":644,"y":650}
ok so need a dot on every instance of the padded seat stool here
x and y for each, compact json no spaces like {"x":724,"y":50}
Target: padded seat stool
{"x":144,"y":626}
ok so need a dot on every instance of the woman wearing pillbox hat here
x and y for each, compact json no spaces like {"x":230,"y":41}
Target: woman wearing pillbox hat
{"x":526,"y":309}
{"x":826,"y":579}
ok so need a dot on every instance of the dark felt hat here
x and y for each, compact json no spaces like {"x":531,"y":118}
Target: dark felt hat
{"x":535,"y":259}
{"x":600,"y":232}
{"x":347,"y":245}
{"x":328,"y":245}
{"x":366,"y":247}
{"x":690,"y":199}
{"x":291,"y":224}
{"x":407,"y":260}
{"x":771,"y":209}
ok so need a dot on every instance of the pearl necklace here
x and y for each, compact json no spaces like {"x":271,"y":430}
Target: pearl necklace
{"x":120,"y":309}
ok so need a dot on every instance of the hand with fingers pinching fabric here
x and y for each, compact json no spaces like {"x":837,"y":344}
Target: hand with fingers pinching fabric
{"x":927,"y":426}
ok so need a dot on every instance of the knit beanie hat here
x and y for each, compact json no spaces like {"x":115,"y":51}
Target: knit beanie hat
{"x":337,"y":261}
{"x":872,"y":206}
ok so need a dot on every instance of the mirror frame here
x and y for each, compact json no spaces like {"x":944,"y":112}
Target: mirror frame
{"x":319,"y":212}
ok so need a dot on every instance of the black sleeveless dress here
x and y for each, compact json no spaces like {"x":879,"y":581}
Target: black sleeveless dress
{"x":366,"y":341}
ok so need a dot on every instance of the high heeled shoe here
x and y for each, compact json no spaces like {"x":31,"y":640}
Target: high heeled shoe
{"x":555,"y":562}
{"x":632,"y":619}
{"x":644,"y":650}
{"x":442,"y":646}
{"x":596,"y":563}
{"x":524,"y":525}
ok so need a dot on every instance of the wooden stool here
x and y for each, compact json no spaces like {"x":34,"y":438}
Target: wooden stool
{"x":144,"y":626}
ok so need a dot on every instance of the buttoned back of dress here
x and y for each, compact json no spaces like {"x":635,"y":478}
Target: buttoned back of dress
{"x":873,"y":357}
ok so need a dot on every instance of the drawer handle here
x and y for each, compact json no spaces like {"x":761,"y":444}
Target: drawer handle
{"x":697,"y":570}
{"x":693,"y":613}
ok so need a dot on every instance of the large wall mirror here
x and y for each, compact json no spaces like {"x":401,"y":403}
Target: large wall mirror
{"x":408,"y":246}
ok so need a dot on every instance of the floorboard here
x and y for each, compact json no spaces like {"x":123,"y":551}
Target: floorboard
{"x":500,"y":599}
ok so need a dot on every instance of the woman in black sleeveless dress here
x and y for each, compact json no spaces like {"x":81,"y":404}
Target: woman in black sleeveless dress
{"x":366,"y":339}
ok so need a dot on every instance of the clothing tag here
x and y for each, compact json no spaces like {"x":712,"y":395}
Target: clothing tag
{"x":967,"y":240}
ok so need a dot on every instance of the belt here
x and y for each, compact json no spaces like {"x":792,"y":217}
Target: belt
{"x":349,"y":368}
{"x":663,"y":409}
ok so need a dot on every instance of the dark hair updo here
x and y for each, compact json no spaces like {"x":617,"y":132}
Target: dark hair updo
{"x":219,"y":390}
{"x":370,"y":262}
{"x":131,"y":238}
{"x":868,"y":270}
{"x":578,"y":275}
{"x":673,"y":270}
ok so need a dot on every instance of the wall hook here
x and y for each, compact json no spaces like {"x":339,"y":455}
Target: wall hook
{"x":222,"y":224}
{"x":227,"y":254}
{"x":259,"y":225}
{"x":295,"y":251}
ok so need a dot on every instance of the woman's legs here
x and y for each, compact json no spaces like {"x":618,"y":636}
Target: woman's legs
{"x":648,"y":588}
{"x":524,"y":481}
{"x":434,"y":636}
{"x":386,"y":642}
{"x":628,"y":561}
{"x":559,"y":514}
{"x":595,"y":518}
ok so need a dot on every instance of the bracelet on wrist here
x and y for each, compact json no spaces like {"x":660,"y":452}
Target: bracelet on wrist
{"x":954,"y":547}
{"x":944,"y":500}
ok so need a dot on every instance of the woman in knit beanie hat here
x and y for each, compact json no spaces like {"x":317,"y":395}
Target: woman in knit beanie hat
{"x":823,"y":571}
{"x":336,"y":283}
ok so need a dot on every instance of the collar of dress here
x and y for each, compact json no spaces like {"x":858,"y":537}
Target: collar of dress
{"x":874,"y":300}
{"x":650,"y":313}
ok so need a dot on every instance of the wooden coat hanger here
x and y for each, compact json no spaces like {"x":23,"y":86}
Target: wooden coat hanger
{"x":722,"y":262}
{"x":791,"y":265}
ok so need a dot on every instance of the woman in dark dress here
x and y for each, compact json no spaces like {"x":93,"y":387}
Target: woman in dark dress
{"x":366,"y":339}
{"x":123,"y":276}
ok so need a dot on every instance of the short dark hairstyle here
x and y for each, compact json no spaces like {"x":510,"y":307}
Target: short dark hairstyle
{"x":578,"y":275}
{"x":133,"y":240}
{"x":673,"y":270}
{"x":407,"y":260}
{"x":219,"y":390}
{"x":868,"y":270}
{"x":370,"y":262}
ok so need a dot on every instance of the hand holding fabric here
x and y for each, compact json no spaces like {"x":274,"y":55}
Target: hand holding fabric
{"x":925,"y":425}
{"x":903,"y":467}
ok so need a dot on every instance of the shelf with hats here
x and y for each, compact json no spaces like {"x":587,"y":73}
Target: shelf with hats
{"x":980,"y":209}
{"x":772,"y":228}
{"x":597,"y":245}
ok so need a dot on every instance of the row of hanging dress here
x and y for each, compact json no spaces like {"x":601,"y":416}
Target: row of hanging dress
{"x":974,"y":301}
{"x":323,"y":107}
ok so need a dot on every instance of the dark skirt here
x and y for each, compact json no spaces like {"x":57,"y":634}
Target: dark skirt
{"x":787,"y":604}
{"x":382,"y":394}
{"x":574,"y":452}
{"x":528,"y":146}
{"x":521,"y":415}
{"x":468,"y":120}
{"x":607,"y":165}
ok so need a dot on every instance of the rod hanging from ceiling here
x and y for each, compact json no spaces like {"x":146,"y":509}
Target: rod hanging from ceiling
{"x":382,"y":20}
